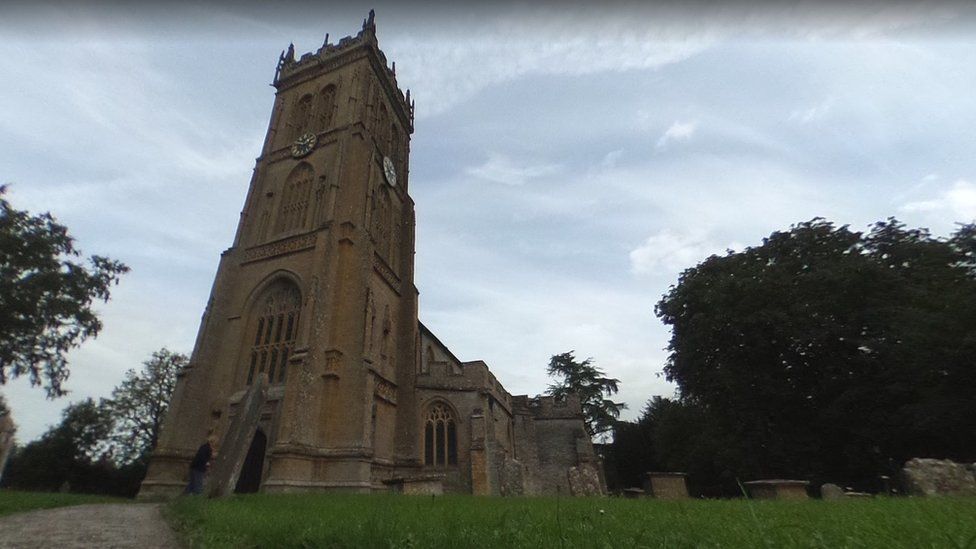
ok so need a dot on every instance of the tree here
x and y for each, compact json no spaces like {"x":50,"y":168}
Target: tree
{"x":828,"y":353}
{"x":69,"y":452}
{"x":589,"y":382}
{"x":138,"y":405}
{"x":45,"y":296}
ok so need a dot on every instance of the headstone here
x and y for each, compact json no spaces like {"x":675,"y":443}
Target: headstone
{"x":666,"y":485}
{"x":777,"y":489}
{"x":938,"y":477}
{"x":584,"y":480}
{"x":237,"y":441}
{"x":831,"y":492}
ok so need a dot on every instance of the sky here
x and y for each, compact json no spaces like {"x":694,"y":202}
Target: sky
{"x":568,"y":161}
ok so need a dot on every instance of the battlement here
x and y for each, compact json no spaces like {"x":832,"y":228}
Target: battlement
{"x":291,"y":70}
{"x":548,"y":407}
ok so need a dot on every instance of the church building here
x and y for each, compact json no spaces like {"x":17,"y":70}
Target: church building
{"x":315,"y":302}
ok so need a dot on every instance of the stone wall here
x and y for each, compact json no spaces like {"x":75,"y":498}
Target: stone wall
{"x":552,"y":442}
{"x":7,"y":432}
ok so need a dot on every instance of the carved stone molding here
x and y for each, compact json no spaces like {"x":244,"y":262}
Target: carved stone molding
{"x":281,"y":247}
{"x":386,"y":273}
{"x":385,"y":390}
{"x":333,"y":358}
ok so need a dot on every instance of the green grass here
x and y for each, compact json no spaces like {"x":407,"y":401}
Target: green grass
{"x":12,"y":501}
{"x":461,"y":522}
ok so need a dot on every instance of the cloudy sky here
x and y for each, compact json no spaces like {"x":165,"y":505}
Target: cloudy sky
{"x":567,"y":164}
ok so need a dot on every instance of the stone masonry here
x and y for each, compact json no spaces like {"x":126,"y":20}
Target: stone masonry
{"x":316,"y":294}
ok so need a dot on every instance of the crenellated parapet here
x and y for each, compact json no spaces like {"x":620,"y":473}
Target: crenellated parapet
{"x":292,"y":70}
{"x":548,"y":407}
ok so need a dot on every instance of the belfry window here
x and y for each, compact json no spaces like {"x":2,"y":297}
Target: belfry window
{"x":300,"y":116}
{"x":326,"y":106}
{"x":274,"y":332}
{"x":293,"y":211}
{"x":440,"y":436}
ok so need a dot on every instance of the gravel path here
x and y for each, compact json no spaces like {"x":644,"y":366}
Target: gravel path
{"x":97,"y":526}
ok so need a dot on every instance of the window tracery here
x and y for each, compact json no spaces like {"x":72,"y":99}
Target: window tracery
{"x":440,"y":436}
{"x":278,"y":312}
{"x":299,"y":120}
{"x":326,"y":107}
{"x":293,"y":211}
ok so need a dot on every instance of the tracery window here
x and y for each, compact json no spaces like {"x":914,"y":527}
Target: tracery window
{"x":293,"y":210}
{"x":278,"y":311}
{"x":440,"y":436}
{"x":300,"y":116}
{"x":326,"y":107}
{"x":395,"y":146}
{"x":383,"y":128}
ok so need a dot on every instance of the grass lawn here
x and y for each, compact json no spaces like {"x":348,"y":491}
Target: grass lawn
{"x":465,"y":521}
{"x":15,"y":502}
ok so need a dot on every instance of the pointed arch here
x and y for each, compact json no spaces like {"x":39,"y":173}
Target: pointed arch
{"x":300,"y":116}
{"x":293,"y":208}
{"x":326,"y":107}
{"x":440,"y":425}
{"x":274,"y":316}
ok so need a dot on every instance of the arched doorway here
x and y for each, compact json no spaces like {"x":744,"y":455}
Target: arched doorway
{"x":249,"y":480}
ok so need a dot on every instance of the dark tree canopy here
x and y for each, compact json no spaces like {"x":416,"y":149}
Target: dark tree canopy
{"x":592,"y":386}
{"x":828,"y":353}
{"x":45,"y":296}
{"x":67,"y":452}
{"x":139,"y":404}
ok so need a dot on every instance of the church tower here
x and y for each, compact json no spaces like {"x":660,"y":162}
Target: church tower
{"x":317,"y":291}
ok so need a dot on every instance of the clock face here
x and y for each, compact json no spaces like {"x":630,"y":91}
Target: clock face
{"x":389,"y":171}
{"x":303,"y":145}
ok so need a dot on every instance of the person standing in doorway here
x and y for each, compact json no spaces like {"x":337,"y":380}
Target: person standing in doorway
{"x":200,"y":465}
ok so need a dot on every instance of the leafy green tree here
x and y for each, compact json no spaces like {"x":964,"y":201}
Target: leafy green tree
{"x":592,"y":386}
{"x":45,"y":296}
{"x":138,"y":405}
{"x":828,"y":353}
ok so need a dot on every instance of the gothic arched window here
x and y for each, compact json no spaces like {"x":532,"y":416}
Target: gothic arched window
{"x":293,"y":210}
{"x":395,"y":147}
{"x":382,"y":129}
{"x":300,"y":116}
{"x":326,"y":107}
{"x":440,"y":436}
{"x":274,"y":328}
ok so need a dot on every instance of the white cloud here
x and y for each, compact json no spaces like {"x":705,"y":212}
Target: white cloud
{"x":958,"y":201}
{"x":673,"y":251}
{"x":816,"y":112}
{"x":611,"y":159}
{"x":678,"y":131}
{"x":504,"y":46}
{"x":502,"y":169}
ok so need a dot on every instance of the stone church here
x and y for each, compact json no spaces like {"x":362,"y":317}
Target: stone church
{"x":316,"y":300}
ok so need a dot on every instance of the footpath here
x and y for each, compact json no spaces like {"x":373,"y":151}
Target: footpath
{"x":98,"y":526}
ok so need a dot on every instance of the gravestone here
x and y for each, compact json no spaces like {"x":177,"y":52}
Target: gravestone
{"x":777,"y":489}
{"x":938,"y":477}
{"x":666,"y":485}
{"x":237,"y":441}
{"x":584,"y":480}
{"x":831,"y":492}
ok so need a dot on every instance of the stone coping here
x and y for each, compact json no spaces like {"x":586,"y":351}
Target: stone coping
{"x":777,"y":482}
{"x":416,"y":478}
{"x":665,"y":474}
